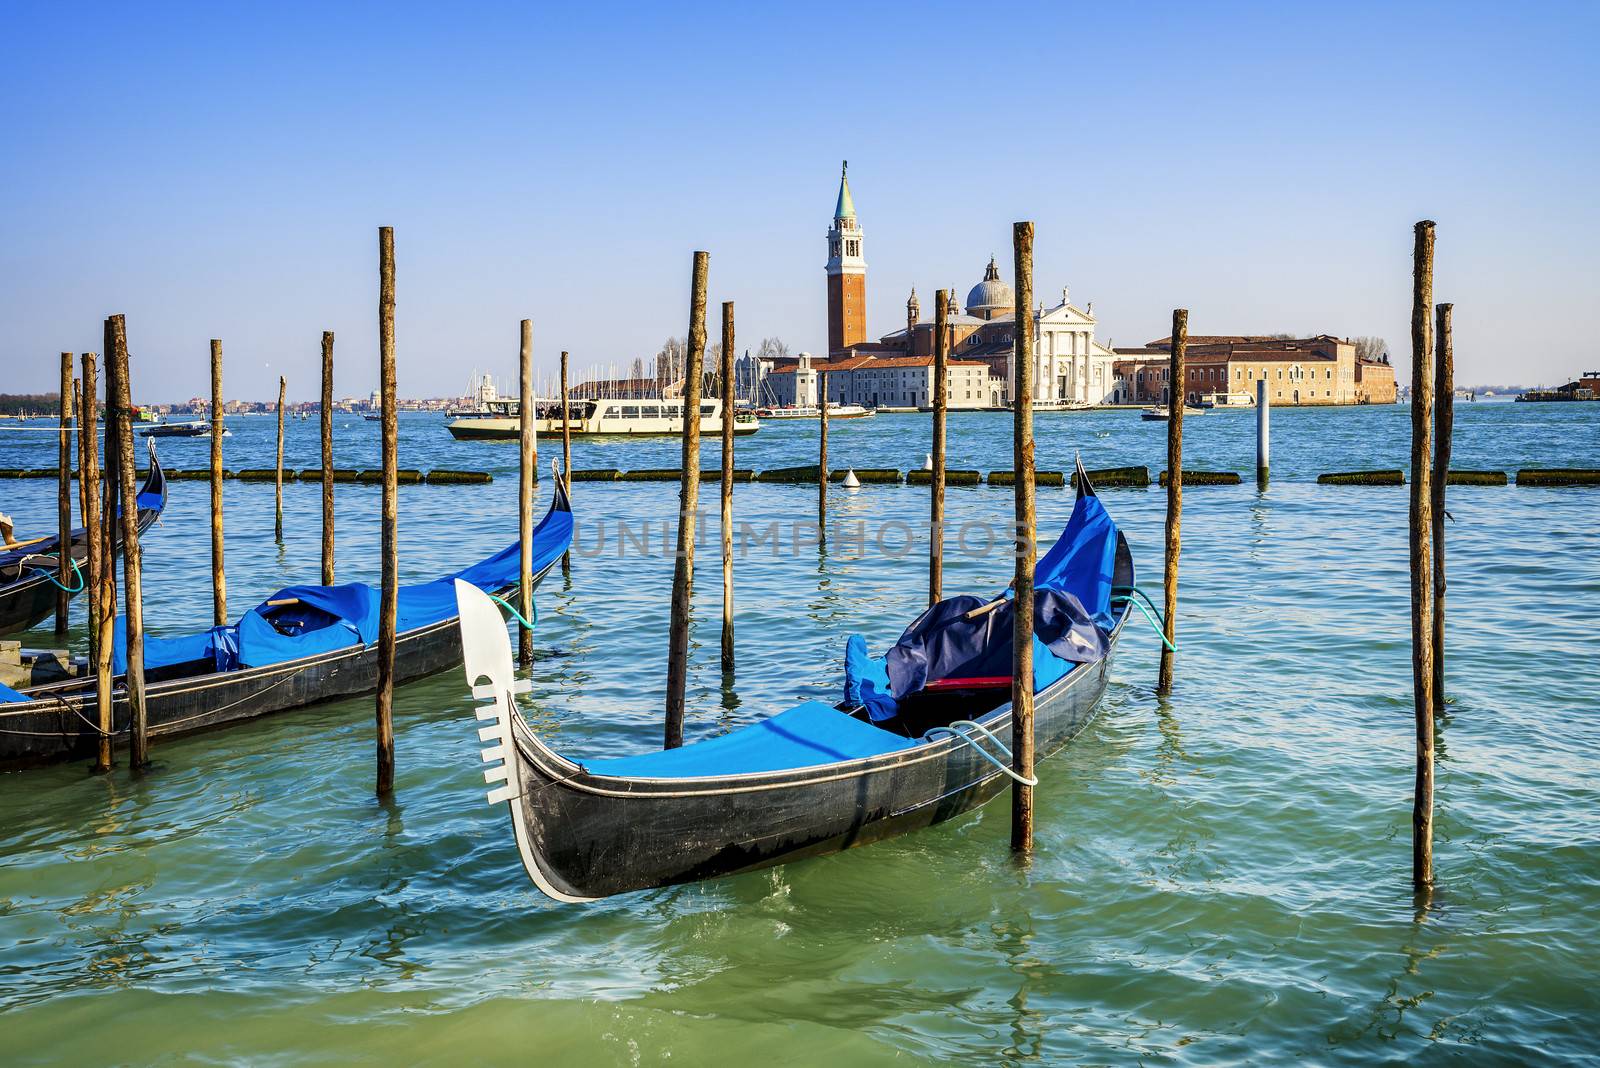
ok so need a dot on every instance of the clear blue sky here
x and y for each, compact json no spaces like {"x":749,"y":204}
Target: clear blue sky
{"x":213,"y":171}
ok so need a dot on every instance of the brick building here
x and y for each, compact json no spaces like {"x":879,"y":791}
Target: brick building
{"x":1073,"y":368}
{"x":1299,"y":371}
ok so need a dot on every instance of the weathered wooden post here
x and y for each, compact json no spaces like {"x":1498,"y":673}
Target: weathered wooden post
{"x":1263,"y":432}
{"x":277,"y":482}
{"x":1175,"y":401}
{"x":688,"y":502}
{"x":1444,"y":420}
{"x":822,"y":458}
{"x":566,"y":450}
{"x":121,"y":415}
{"x":100,"y":618}
{"x":219,"y":581}
{"x":1421,"y":558}
{"x":730,"y":401}
{"x":78,"y":409}
{"x":64,"y":497}
{"x":1022,"y":628}
{"x":391,"y":563}
{"x":525,"y":496}
{"x":941,"y":401}
{"x":327,"y":457}
{"x":110,"y":494}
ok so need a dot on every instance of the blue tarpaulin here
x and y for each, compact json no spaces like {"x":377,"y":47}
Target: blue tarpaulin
{"x":1072,"y":616}
{"x":325,"y":618}
{"x":808,"y":734}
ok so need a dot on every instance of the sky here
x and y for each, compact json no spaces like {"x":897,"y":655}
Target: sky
{"x":220,"y":171}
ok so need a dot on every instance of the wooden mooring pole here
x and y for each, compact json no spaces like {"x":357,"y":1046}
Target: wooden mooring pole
{"x":121,"y":416}
{"x":688,"y":502}
{"x":277,"y":481}
{"x":729,"y":404}
{"x":822,"y":458}
{"x":1263,"y":432}
{"x":391,"y":562}
{"x":64,"y":497}
{"x":525,"y":496}
{"x":1444,"y":426}
{"x":1022,"y":628}
{"x":941,"y":400}
{"x":219,"y":581}
{"x":1421,"y":528}
{"x":110,"y":493}
{"x":327,"y":457}
{"x":99,"y":617}
{"x":566,"y":451}
{"x":1176,"y":396}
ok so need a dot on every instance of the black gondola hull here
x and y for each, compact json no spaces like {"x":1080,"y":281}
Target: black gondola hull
{"x":585,"y":836}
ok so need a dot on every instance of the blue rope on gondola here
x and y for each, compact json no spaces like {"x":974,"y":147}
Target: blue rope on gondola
{"x":507,"y":605}
{"x":955,"y":728}
{"x":52,"y":580}
{"x":1157,"y":623}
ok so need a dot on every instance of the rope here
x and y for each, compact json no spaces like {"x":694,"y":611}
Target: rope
{"x":507,"y":605}
{"x":1156,"y":622}
{"x":955,"y":729}
{"x":51,"y":579}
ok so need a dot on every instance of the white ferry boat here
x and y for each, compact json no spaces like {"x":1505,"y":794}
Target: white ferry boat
{"x":620,"y":416}
{"x":835,"y":411}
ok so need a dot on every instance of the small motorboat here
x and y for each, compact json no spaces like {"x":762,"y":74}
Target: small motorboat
{"x":1154,"y":415}
{"x":197,"y":428}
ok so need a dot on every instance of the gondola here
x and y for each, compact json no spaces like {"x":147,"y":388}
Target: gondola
{"x":302,"y":645}
{"x":817,"y":778}
{"x":29,"y":572}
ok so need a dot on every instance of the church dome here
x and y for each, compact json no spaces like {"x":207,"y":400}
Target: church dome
{"x":990,"y":295}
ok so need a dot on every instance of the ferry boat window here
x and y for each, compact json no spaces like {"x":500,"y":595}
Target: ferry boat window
{"x":650,"y":411}
{"x":707,"y":409}
{"x":630,"y":411}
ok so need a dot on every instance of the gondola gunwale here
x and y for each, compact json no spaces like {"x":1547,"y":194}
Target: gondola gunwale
{"x":72,"y":697}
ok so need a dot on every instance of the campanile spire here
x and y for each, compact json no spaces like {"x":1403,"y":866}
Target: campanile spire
{"x":847,"y":272}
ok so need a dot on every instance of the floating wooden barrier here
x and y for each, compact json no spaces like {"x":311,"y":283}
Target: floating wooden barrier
{"x":595,"y":474}
{"x":445,"y":477}
{"x":952,"y":477}
{"x":1558,"y":476}
{"x":650,"y":474}
{"x":196,"y":474}
{"x":1138,"y":477}
{"x":1040,"y":478}
{"x":254,"y":474}
{"x":314,"y":474}
{"x":1363,"y":478}
{"x":807,"y":474}
{"x":867,"y":474}
{"x":402,"y":476}
{"x":1205,"y":478}
{"x":738,"y":474}
{"x":1476,"y":478}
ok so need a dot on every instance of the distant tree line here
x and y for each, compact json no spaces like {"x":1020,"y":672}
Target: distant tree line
{"x":30,"y":403}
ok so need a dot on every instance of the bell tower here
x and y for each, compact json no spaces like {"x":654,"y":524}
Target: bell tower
{"x":847,"y":273}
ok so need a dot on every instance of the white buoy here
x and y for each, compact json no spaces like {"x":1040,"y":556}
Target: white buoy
{"x":850,"y":480}
{"x":927,"y":465}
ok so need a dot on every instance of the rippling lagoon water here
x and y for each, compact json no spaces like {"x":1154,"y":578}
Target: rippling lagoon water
{"x":1220,"y":877}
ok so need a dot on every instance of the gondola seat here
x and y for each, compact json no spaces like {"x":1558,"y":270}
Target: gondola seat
{"x":804,"y":736}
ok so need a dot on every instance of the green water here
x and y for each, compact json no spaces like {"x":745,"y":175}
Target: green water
{"x":1221,"y":877}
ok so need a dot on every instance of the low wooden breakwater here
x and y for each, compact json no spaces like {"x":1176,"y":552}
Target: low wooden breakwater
{"x":438,"y":477}
{"x":1104,"y":478}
